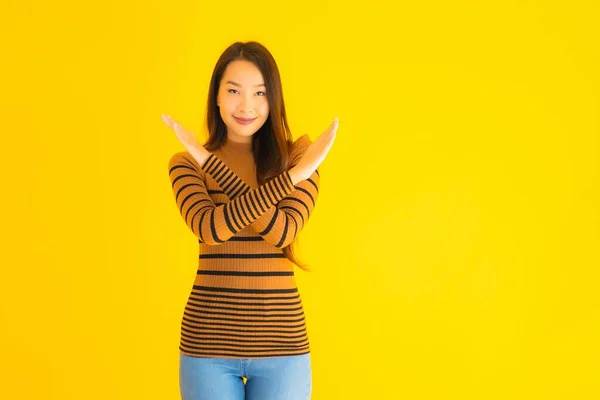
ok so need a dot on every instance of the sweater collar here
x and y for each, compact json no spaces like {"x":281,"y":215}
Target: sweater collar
{"x":237,"y":146}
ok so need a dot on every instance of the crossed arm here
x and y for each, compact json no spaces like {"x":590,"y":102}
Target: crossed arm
{"x":277,"y":210}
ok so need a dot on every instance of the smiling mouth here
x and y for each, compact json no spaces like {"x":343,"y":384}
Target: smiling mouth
{"x":244,"y":121}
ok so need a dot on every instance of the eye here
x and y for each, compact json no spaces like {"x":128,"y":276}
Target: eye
{"x":263,"y":93}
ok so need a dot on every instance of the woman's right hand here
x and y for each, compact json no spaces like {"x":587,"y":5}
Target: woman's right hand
{"x":315,"y":154}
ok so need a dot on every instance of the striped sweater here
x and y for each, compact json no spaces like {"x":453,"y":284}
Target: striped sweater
{"x":244,"y":302}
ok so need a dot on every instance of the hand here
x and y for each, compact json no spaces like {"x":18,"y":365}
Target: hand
{"x":188,"y":140}
{"x":315,"y":153}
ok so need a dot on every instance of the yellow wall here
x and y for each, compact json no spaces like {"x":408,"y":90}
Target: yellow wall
{"x":455,"y":242}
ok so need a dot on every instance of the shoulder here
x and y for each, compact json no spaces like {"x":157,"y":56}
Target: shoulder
{"x":298,"y":148}
{"x":302,"y":142}
{"x":300,"y":145}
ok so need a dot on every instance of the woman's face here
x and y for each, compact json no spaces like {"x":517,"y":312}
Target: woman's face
{"x":242,"y":94}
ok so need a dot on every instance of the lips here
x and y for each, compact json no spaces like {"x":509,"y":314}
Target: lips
{"x":244,"y":121}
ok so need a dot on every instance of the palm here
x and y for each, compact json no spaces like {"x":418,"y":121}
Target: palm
{"x":315,"y":153}
{"x":185,"y":137}
{"x":189,"y":141}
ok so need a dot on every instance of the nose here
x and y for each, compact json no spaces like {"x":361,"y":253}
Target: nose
{"x":246,"y":106}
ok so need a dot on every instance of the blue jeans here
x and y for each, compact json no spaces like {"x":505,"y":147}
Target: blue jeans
{"x":268,"y":378}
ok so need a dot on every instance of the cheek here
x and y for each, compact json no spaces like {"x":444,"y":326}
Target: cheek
{"x":225,"y":114}
{"x":264,"y":110}
{"x":227,"y":107}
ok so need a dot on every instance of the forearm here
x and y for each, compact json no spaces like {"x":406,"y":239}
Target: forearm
{"x":282,"y":221}
{"x":200,"y":154}
{"x":216,"y":224}
{"x":295,"y":175}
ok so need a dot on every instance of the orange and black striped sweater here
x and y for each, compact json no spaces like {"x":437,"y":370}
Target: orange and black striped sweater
{"x":244,"y":302}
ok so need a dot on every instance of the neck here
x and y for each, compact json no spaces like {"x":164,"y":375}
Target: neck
{"x":238,"y":146}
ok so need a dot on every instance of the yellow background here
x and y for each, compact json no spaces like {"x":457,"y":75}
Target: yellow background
{"x":455,"y":241}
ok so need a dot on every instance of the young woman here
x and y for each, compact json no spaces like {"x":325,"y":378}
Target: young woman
{"x":246,"y":194}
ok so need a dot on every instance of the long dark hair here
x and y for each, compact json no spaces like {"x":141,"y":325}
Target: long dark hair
{"x":272,"y":143}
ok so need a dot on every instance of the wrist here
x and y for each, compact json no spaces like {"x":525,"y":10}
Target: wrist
{"x":295,"y":175}
{"x":199,"y":153}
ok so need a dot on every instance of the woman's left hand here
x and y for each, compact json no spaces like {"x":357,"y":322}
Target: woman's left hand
{"x":188,"y":139}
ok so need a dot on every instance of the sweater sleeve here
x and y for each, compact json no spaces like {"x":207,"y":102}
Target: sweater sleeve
{"x":213,"y":224}
{"x":280,"y":224}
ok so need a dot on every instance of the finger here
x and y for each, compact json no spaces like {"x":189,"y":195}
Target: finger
{"x":174,"y":123}
{"x":333,"y":126}
{"x":330,"y":131}
{"x":167,"y":121}
{"x":180,"y":130}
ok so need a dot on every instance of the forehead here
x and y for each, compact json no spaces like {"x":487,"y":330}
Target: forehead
{"x":243,"y":72}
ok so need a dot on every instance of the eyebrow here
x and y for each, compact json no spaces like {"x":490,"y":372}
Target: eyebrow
{"x":238,"y":85}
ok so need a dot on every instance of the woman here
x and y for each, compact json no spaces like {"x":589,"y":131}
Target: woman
{"x":246,"y":194}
